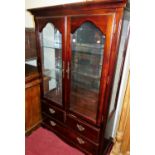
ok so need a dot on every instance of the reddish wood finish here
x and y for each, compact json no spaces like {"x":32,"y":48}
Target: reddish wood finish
{"x":87,"y":147}
{"x":100,"y":21}
{"x":62,"y":130}
{"x":32,"y":99}
{"x":79,"y":8}
{"x":113,"y":58}
{"x":85,"y":129}
{"x":53,"y":111}
{"x":59,"y":24}
{"x":106,"y":15}
{"x":68,"y":57}
{"x":111,"y":69}
{"x":105,"y":24}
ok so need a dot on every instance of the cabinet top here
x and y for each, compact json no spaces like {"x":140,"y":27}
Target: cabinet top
{"x":31,"y":73}
{"x":75,"y":8}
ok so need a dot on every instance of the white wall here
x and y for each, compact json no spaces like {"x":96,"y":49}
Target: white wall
{"x":29,"y":22}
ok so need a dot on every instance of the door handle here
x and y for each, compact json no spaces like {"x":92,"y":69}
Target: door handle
{"x":63,"y":69}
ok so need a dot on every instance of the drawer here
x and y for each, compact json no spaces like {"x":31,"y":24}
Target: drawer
{"x":70,"y":136}
{"x":53,"y":111}
{"x":53,"y":125}
{"x":84,"y":129}
{"x":82,"y":143}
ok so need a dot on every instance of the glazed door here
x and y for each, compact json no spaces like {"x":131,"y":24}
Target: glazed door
{"x":52,"y":59}
{"x":90,"y":39}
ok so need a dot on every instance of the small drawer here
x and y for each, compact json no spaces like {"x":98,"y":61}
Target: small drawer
{"x":84,"y":144}
{"x":53,"y":111}
{"x":84,"y":129}
{"x":53,"y":125}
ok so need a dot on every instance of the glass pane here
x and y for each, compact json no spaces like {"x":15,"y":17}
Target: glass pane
{"x":87,"y":57}
{"x":52,"y":63}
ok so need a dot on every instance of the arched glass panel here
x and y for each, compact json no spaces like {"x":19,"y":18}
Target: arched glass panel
{"x":86,"y":65}
{"x":52,"y":63}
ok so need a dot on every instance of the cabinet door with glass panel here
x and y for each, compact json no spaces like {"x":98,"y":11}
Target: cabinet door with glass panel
{"x":52,"y":60}
{"x":88,"y":58}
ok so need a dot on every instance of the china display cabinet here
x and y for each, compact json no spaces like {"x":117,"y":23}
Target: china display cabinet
{"x":77,"y":48}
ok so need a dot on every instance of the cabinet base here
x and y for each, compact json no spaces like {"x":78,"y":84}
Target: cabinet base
{"x":108,"y":146}
{"x":108,"y":143}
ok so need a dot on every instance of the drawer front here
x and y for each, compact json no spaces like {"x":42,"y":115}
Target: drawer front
{"x":84,"y":129}
{"x":84,"y":144}
{"x":71,"y":137}
{"x":53,"y":125}
{"x":53,"y":111}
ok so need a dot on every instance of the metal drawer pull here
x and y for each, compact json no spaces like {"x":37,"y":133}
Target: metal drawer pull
{"x":72,"y":116}
{"x":80,"y":141}
{"x":52,"y":123}
{"x":52,"y":111}
{"x":80,"y":127}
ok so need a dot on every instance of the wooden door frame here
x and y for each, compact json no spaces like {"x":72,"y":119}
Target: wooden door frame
{"x":59,"y":23}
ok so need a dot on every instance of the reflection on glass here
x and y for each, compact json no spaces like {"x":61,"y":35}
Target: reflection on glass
{"x":52,"y":63}
{"x":87,"y":56}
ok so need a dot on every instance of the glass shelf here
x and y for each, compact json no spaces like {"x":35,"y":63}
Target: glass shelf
{"x":56,"y":46}
{"x":97,"y":77}
{"x":85,"y":102}
{"x":87,"y":50}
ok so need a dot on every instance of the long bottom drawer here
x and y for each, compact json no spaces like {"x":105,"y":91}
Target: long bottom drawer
{"x":71,"y":137}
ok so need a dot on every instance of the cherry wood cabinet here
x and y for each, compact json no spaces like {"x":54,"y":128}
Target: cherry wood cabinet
{"x":77,"y":46}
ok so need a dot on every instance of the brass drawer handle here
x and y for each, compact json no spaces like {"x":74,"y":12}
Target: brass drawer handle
{"x":52,"y":123}
{"x":72,"y":116}
{"x":80,"y":140}
{"x":80,"y":127}
{"x":52,"y":111}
